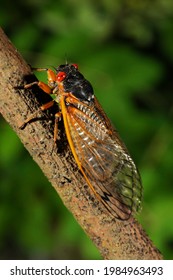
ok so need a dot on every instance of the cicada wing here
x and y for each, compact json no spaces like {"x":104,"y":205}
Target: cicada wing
{"x":105,"y":162}
{"x":114,"y":178}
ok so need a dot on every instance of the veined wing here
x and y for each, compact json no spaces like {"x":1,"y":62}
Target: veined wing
{"x":104,"y":160}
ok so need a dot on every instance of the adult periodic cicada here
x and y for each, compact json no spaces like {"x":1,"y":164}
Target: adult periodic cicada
{"x":98,"y":151}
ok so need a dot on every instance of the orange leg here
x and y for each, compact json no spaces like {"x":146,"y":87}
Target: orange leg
{"x":41,"y":85}
{"x":34,"y":115}
{"x":51,"y":76}
{"x":47,"y":89}
{"x":57,"y":119}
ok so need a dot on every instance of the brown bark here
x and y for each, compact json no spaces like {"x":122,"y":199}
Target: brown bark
{"x":115,"y":239}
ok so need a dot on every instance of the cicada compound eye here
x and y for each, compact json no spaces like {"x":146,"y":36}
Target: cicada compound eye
{"x":61,"y":76}
{"x":75,"y":65}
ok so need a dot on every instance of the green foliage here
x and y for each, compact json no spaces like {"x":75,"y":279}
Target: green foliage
{"x":125,"y":48}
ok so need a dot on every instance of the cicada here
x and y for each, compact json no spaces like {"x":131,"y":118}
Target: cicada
{"x":100,"y":154}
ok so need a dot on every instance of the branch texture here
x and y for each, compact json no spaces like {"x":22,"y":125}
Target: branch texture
{"x":115,"y":239}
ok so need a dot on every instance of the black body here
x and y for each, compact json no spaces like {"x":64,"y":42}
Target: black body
{"x":76,"y":83}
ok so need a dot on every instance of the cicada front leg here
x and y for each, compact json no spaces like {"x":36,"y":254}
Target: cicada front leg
{"x":47,"y":88}
{"x":44,"y":107}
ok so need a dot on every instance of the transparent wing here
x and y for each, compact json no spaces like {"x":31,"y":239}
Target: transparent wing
{"x":105,"y":161}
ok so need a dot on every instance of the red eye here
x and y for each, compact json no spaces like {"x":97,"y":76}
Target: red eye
{"x":75,"y":65}
{"x":60,"y":76}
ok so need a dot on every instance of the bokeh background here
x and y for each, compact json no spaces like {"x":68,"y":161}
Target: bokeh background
{"x":125,"y":48}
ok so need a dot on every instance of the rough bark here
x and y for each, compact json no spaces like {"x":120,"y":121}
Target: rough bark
{"x":115,"y":239}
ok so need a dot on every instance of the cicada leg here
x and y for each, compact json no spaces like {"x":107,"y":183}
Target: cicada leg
{"x":34,"y":115}
{"x":51,"y":76}
{"x":41,"y":85}
{"x":47,"y":89}
{"x":57,"y":119}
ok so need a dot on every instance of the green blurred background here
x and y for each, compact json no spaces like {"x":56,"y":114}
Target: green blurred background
{"x":125,"y":48}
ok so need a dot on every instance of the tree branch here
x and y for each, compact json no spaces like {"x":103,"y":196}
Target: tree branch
{"x":115,"y":239}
